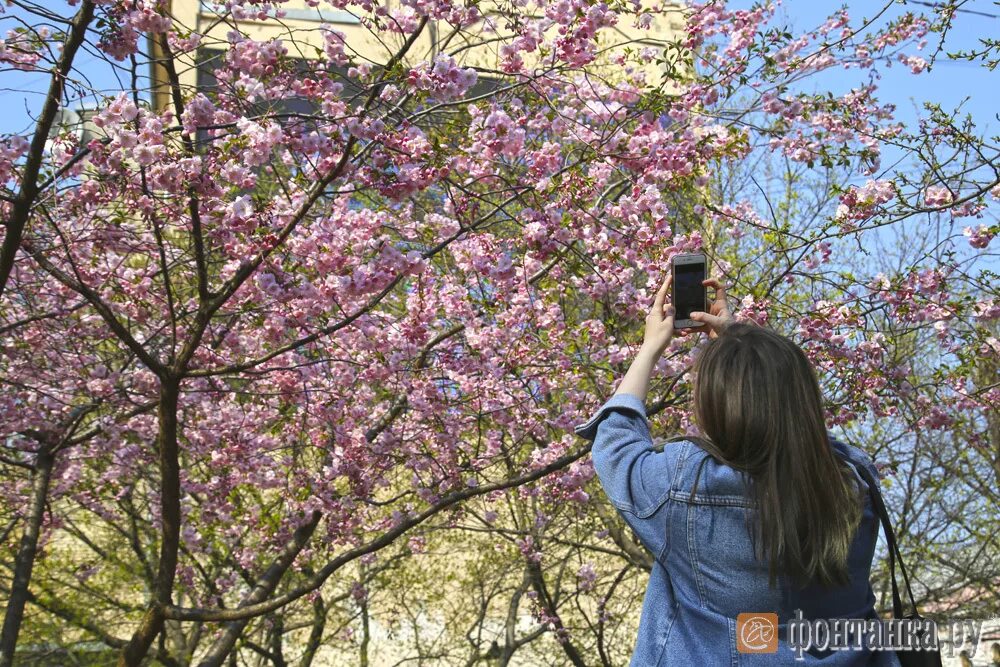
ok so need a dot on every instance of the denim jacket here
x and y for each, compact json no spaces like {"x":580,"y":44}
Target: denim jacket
{"x":704,"y":572}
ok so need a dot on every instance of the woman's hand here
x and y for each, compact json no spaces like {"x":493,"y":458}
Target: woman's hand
{"x":660,"y":321}
{"x":719,"y":316}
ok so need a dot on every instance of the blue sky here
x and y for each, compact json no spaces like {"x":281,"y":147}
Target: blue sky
{"x":949,"y":83}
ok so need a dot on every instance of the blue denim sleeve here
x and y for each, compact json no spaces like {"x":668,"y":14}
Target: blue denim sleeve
{"x":635,"y":477}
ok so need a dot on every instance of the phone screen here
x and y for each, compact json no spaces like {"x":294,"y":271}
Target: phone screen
{"x":689,"y":293}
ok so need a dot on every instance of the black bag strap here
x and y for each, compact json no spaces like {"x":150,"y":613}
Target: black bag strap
{"x":878,"y":504}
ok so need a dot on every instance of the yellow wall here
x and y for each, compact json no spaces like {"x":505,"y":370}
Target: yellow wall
{"x":300,"y":32}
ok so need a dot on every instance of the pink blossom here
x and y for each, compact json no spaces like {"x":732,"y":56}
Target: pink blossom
{"x":979,"y":237}
{"x":938,"y":196}
{"x":443,"y":79}
{"x":242,"y":207}
{"x":19,"y":50}
{"x":915,"y":63}
{"x":586,"y":577}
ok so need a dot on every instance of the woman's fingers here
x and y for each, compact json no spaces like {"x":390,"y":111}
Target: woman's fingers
{"x":721,"y":303}
{"x":711,"y":320}
{"x":720,"y":289}
{"x":661,"y":295}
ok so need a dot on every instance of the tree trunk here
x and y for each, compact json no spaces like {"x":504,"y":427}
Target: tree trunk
{"x":170,"y":514}
{"x":25,"y":560}
{"x":316,"y":634}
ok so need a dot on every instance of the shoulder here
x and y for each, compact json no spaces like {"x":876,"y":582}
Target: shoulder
{"x":860,"y":460}
{"x":700,"y":478}
{"x":677,"y":449}
{"x":854,"y":455}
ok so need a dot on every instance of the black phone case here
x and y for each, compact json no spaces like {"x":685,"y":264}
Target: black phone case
{"x":704,"y":299}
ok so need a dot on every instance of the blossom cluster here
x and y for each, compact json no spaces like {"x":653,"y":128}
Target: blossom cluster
{"x":443,"y":79}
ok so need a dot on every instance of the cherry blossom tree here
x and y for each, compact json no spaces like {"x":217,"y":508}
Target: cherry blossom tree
{"x":299,"y":354}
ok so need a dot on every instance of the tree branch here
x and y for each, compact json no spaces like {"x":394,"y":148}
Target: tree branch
{"x":21,"y":208}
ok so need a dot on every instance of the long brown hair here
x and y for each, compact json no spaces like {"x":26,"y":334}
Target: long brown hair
{"x":757,"y":400}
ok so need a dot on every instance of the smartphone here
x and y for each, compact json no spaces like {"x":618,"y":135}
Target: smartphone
{"x":689,"y":295}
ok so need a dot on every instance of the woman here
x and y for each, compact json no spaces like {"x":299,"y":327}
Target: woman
{"x":766,"y":514}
